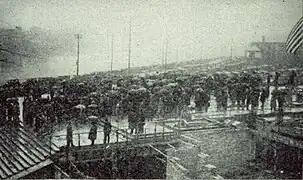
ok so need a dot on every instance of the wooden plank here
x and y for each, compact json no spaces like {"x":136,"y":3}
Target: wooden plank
{"x":19,"y":158}
{"x":124,"y":144}
{"x":2,"y":174}
{"x":30,"y":141}
{"x":42,"y":164}
{"x":11,"y":158}
{"x":32,"y":148}
{"x":25,"y":148}
{"x":27,"y":154}
{"x":23,"y":155}
{"x":280,"y":138}
{"x":42,"y":145}
{"x":4,"y":166}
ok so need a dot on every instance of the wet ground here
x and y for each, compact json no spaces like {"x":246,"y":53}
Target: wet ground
{"x":200,"y":119}
{"x":225,"y":146}
{"x":81,"y":131}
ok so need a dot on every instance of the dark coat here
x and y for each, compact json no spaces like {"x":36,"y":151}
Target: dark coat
{"x":93,"y":133}
{"x":69,"y":133}
{"x":107,"y":127}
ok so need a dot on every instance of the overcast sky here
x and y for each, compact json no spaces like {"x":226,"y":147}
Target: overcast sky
{"x":196,"y":28}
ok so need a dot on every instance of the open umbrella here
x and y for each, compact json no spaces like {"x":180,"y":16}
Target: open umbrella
{"x":135,"y":79}
{"x":172,"y":85}
{"x":80,"y":106}
{"x":164,"y":81}
{"x":235,"y":123}
{"x":182,"y":78}
{"x":203,"y":155}
{"x":61,"y":96}
{"x":196,"y":86}
{"x":92,"y":117}
{"x":93,"y":94}
{"x":142,"y":75}
{"x":48,"y":105}
{"x":210,"y":166}
{"x":150,"y":82}
{"x":45,"y":96}
{"x":12,"y":99}
{"x":132,"y":91}
{"x":170,"y":81}
{"x":142,"y":89}
{"x":200,"y":90}
{"x":164,"y":91}
{"x":92,"y":106}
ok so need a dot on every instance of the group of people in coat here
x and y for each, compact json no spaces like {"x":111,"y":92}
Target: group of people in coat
{"x":107,"y":127}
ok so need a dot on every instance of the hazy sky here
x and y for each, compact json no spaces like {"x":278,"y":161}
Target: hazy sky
{"x":197,"y":28}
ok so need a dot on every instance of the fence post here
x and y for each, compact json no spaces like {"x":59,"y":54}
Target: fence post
{"x":144,"y":133}
{"x":179,"y":127}
{"x":126,"y":136}
{"x":163,"y":131}
{"x":117,"y":136}
{"x":50,"y":145}
{"x":79,"y":139}
{"x":155,"y":131}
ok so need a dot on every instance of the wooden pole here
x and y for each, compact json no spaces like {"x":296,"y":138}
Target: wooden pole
{"x":112,"y":54}
{"x":177,"y":54}
{"x":129,"y":48}
{"x":163,"y":52}
{"x":79,"y":139}
{"x":78,"y":52}
{"x":165,"y":61}
{"x":117,"y":136}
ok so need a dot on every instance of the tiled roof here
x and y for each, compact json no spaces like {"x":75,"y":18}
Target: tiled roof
{"x":22,"y":153}
{"x":252,"y":48}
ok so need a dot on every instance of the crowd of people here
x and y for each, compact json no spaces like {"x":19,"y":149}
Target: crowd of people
{"x":140,"y":98}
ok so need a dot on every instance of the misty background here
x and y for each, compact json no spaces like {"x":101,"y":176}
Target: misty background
{"x":194,"y":29}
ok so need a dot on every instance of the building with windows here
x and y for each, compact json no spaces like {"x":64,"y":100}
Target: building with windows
{"x":269,"y":52}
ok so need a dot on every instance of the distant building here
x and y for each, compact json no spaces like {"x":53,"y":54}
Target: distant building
{"x":269,"y":52}
{"x":253,"y":53}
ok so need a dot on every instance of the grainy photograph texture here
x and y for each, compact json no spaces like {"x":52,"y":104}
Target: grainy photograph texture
{"x":151,"y":89}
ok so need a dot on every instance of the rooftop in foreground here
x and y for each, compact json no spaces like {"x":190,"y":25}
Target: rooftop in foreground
{"x":22,"y":153}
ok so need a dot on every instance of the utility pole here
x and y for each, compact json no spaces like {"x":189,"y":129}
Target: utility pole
{"x":177,"y":54}
{"x":129,"y":48}
{"x":78,"y":52}
{"x":112,"y":60}
{"x":163,"y":52}
{"x":122,"y":52}
{"x":165,"y":61}
{"x":231,"y":52}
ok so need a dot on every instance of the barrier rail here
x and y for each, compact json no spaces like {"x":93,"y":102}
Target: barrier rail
{"x":121,"y":135}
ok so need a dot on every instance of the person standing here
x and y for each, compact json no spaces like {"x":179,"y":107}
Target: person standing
{"x":273,"y":100}
{"x":93,"y":133}
{"x":268,"y":79}
{"x":281,"y":100}
{"x":69,"y":134}
{"x":263,"y":98}
{"x":107,"y":129}
{"x":38,"y":121}
{"x":292,"y":77}
{"x":255,"y":99}
{"x":277,"y":75}
{"x":224,"y":99}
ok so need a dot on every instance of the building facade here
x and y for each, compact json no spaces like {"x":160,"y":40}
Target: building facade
{"x":270,"y":53}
